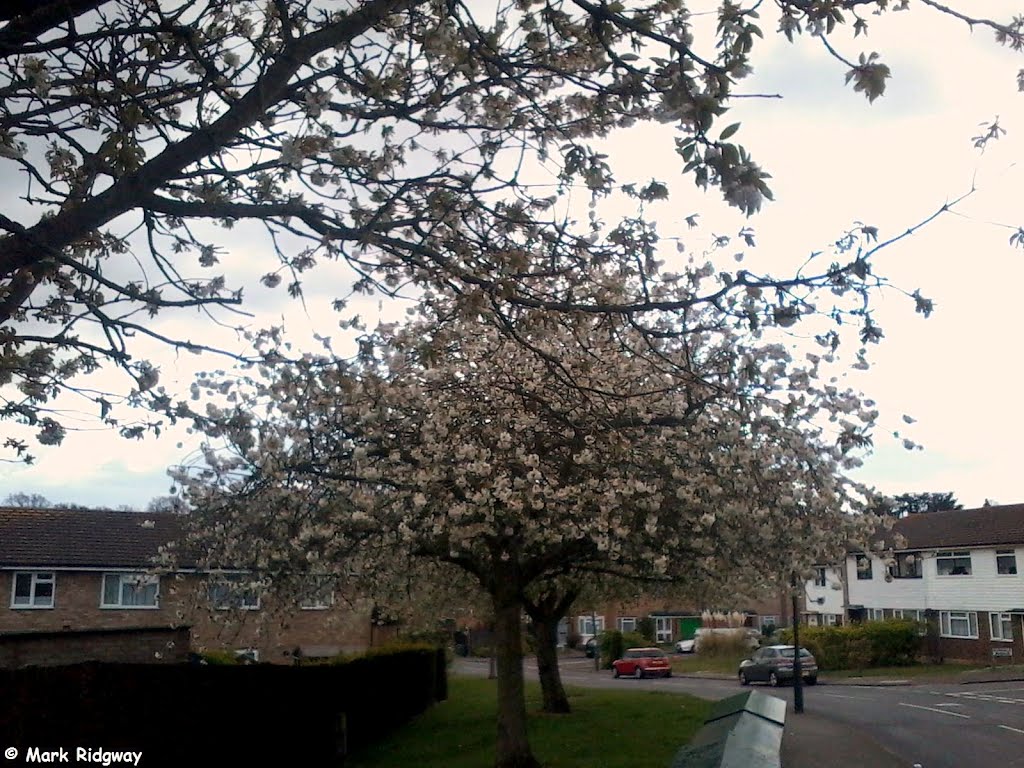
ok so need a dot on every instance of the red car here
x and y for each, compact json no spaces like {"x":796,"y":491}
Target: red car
{"x":643,"y":662}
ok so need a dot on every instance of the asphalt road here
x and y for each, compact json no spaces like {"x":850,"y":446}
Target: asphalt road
{"x":926,"y":725}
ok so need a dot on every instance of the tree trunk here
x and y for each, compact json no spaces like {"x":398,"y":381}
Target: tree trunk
{"x":545,"y":633}
{"x":513,"y":747}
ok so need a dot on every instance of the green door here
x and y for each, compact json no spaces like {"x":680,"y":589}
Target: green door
{"x":688,"y":627}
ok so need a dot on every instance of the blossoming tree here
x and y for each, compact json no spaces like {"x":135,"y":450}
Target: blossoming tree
{"x":524,"y":448}
{"x":397,"y":136}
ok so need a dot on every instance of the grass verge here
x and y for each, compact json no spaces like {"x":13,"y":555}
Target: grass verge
{"x":609,"y":728}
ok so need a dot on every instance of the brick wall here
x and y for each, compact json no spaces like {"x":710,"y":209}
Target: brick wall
{"x":980,"y":650}
{"x":142,"y":645}
{"x":276,"y":630}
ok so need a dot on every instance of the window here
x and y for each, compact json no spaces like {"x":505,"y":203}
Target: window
{"x":320,"y":597}
{"x":832,"y":620}
{"x":1006,"y":562}
{"x":586,"y":624}
{"x":876,"y":614}
{"x":769,"y":621}
{"x":1001,"y":625}
{"x":233,"y":591}
{"x":907,"y":566}
{"x":819,"y":578}
{"x":663,"y":630}
{"x":863,"y":567}
{"x":953,"y":563}
{"x":958,"y":624}
{"x":130,"y":590}
{"x":627,"y":624}
{"x":33,"y":590}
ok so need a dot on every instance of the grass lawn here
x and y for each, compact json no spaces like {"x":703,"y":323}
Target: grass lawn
{"x":607,"y":728}
{"x":719,"y":664}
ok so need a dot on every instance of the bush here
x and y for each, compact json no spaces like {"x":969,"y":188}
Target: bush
{"x":894,"y":642}
{"x":723,"y":643}
{"x":573,"y":640}
{"x":645,"y":628}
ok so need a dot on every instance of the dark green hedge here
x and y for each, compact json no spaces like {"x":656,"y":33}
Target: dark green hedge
{"x":890,"y":643}
{"x":221,"y":714}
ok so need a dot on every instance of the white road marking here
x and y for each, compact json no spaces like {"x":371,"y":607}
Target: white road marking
{"x":933,"y":709}
{"x":1015,"y":730}
{"x":840,"y":696}
{"x":949,"y":704}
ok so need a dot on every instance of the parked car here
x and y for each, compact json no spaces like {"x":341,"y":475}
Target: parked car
{"x":686,"y":646}
{"x":773,"y":664}
{"x":590,"y":648}
{"x":642,"y":662}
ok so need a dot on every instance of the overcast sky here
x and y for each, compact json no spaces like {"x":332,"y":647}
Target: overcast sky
{"x":835,"y":160}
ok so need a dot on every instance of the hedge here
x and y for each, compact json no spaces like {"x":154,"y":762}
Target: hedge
{"x":212,"y":714}
{"x":890,"y":643}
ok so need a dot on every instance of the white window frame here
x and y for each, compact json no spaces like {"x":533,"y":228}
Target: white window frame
{"x":876,"y":614}
{"x":820,"y":577}
{"x":319,"y":600}
{"x":830,"y":619}
{"x":247,"y":655}
{"x":1000,"y":627}
{"x":586,"y":625}
{"x":865,"y":574}
{"x":623,"y":621}
{"x":1006,"y":553}
{"x":225,"y":597}
{"x":35,"y":579}
{"x":946,"y":619}
{"x":663,"y":629}
{"x":953,"y":556}
{"x":134,"y":581}
{"x":766,"y":620}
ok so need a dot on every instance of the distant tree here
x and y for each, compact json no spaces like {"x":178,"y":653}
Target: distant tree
{"x":916,"y":504}
{"x":174,"y":504}
{"x":19,"y":499}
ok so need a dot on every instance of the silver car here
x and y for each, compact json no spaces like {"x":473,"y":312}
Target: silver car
{"x":773,"y":664}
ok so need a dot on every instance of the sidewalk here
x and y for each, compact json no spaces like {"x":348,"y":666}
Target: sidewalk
{"x":812,"y":741}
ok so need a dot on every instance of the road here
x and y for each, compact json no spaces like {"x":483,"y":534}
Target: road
{"x":925,"y":724}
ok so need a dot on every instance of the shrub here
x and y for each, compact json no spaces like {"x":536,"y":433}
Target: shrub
{"x":645,"y":627}
{"x":573,"y":640}
{"x":894,"y":642}
{"x":722,"y":643}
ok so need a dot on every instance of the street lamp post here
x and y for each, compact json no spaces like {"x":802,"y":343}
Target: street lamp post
{"x":798,"y":676}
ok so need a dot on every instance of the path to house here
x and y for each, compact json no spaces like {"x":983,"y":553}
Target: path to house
{"x":865,"y":723}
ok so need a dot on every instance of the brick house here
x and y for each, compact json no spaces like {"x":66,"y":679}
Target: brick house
{"x":671,"y":622}
{"x":959,"y":570}
{"x":85,"y":573}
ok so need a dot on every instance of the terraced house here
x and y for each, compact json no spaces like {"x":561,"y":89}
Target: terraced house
{"x":962,"y":570}
{"x":80,"y":587}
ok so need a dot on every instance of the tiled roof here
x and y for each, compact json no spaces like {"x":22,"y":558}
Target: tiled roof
{"x":962,"y":528}
{"x":83,"y":538}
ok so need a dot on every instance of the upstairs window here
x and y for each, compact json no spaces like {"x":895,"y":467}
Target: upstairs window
{"x":233,"y":591}
{"x":1006,"y":562}
{"x":863,"y":567}
{"x":906,"y":566}
{"x":33,"y":590}
{"x":953,"y":563}
{"x":819,"y":578}
{"x":130,"y":590}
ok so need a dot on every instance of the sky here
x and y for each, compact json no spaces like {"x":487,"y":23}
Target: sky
{"x":836,"y":160}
